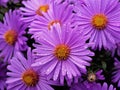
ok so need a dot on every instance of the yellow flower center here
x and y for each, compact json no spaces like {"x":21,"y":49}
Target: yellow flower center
{"x":10,"y":36}
{"x":43,"y":8}
{"x":99,"y":21}
{"x":53,"y":22}
{"x":62,"y":52}
{"x":30,"y":77}
{"x":91,"y":77}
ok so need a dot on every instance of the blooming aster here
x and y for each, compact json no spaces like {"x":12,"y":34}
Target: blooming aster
{"x":33,"y":8}
{"x":98,"y":86}
{"x":23,"y":77}
{"x":52,"y":17}
{"x":116,"y":72}
{"x":63,"y":53}
{"x":101,"y":21}
{"x":93,"y":78}
{"x":3,"y":76}
{"x":11,"y":35}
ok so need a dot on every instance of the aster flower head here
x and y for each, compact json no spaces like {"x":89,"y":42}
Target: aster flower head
{"x":62,"y":53}
{"x":11,"y":35}
{"x":92,"y":78}
{"x":64,"y":16}
{"x":3,"y":76}
{"x":24,"y":77}
{"x":33,"y":8}
{"x":100,"y":20}
{"x":97,"y":86}
{"x":116,"y":72}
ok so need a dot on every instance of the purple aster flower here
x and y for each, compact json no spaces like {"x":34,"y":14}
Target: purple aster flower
{"x":52,"y":17}
{"x":101,"y":21}
{"x":63,"y":53}
{"x":97,"y":86}
{"x":92,"y":78}
{"x":116,"y":72}
{"x":33,"y":8}
{"x":11,"y":35}
{"x":24,"y":77}
{"x":3,"y":75}
{"x":90,"y":81}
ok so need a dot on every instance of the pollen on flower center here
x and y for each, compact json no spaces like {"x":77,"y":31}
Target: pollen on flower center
{"x":62,"y":52}
{"x":30,"y":77}
{"x":99,"y":21}
{"x":10,"y":36}
{"x":53,"y":22}
{"x":91,"y":77}
{"x":43,"y":8}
